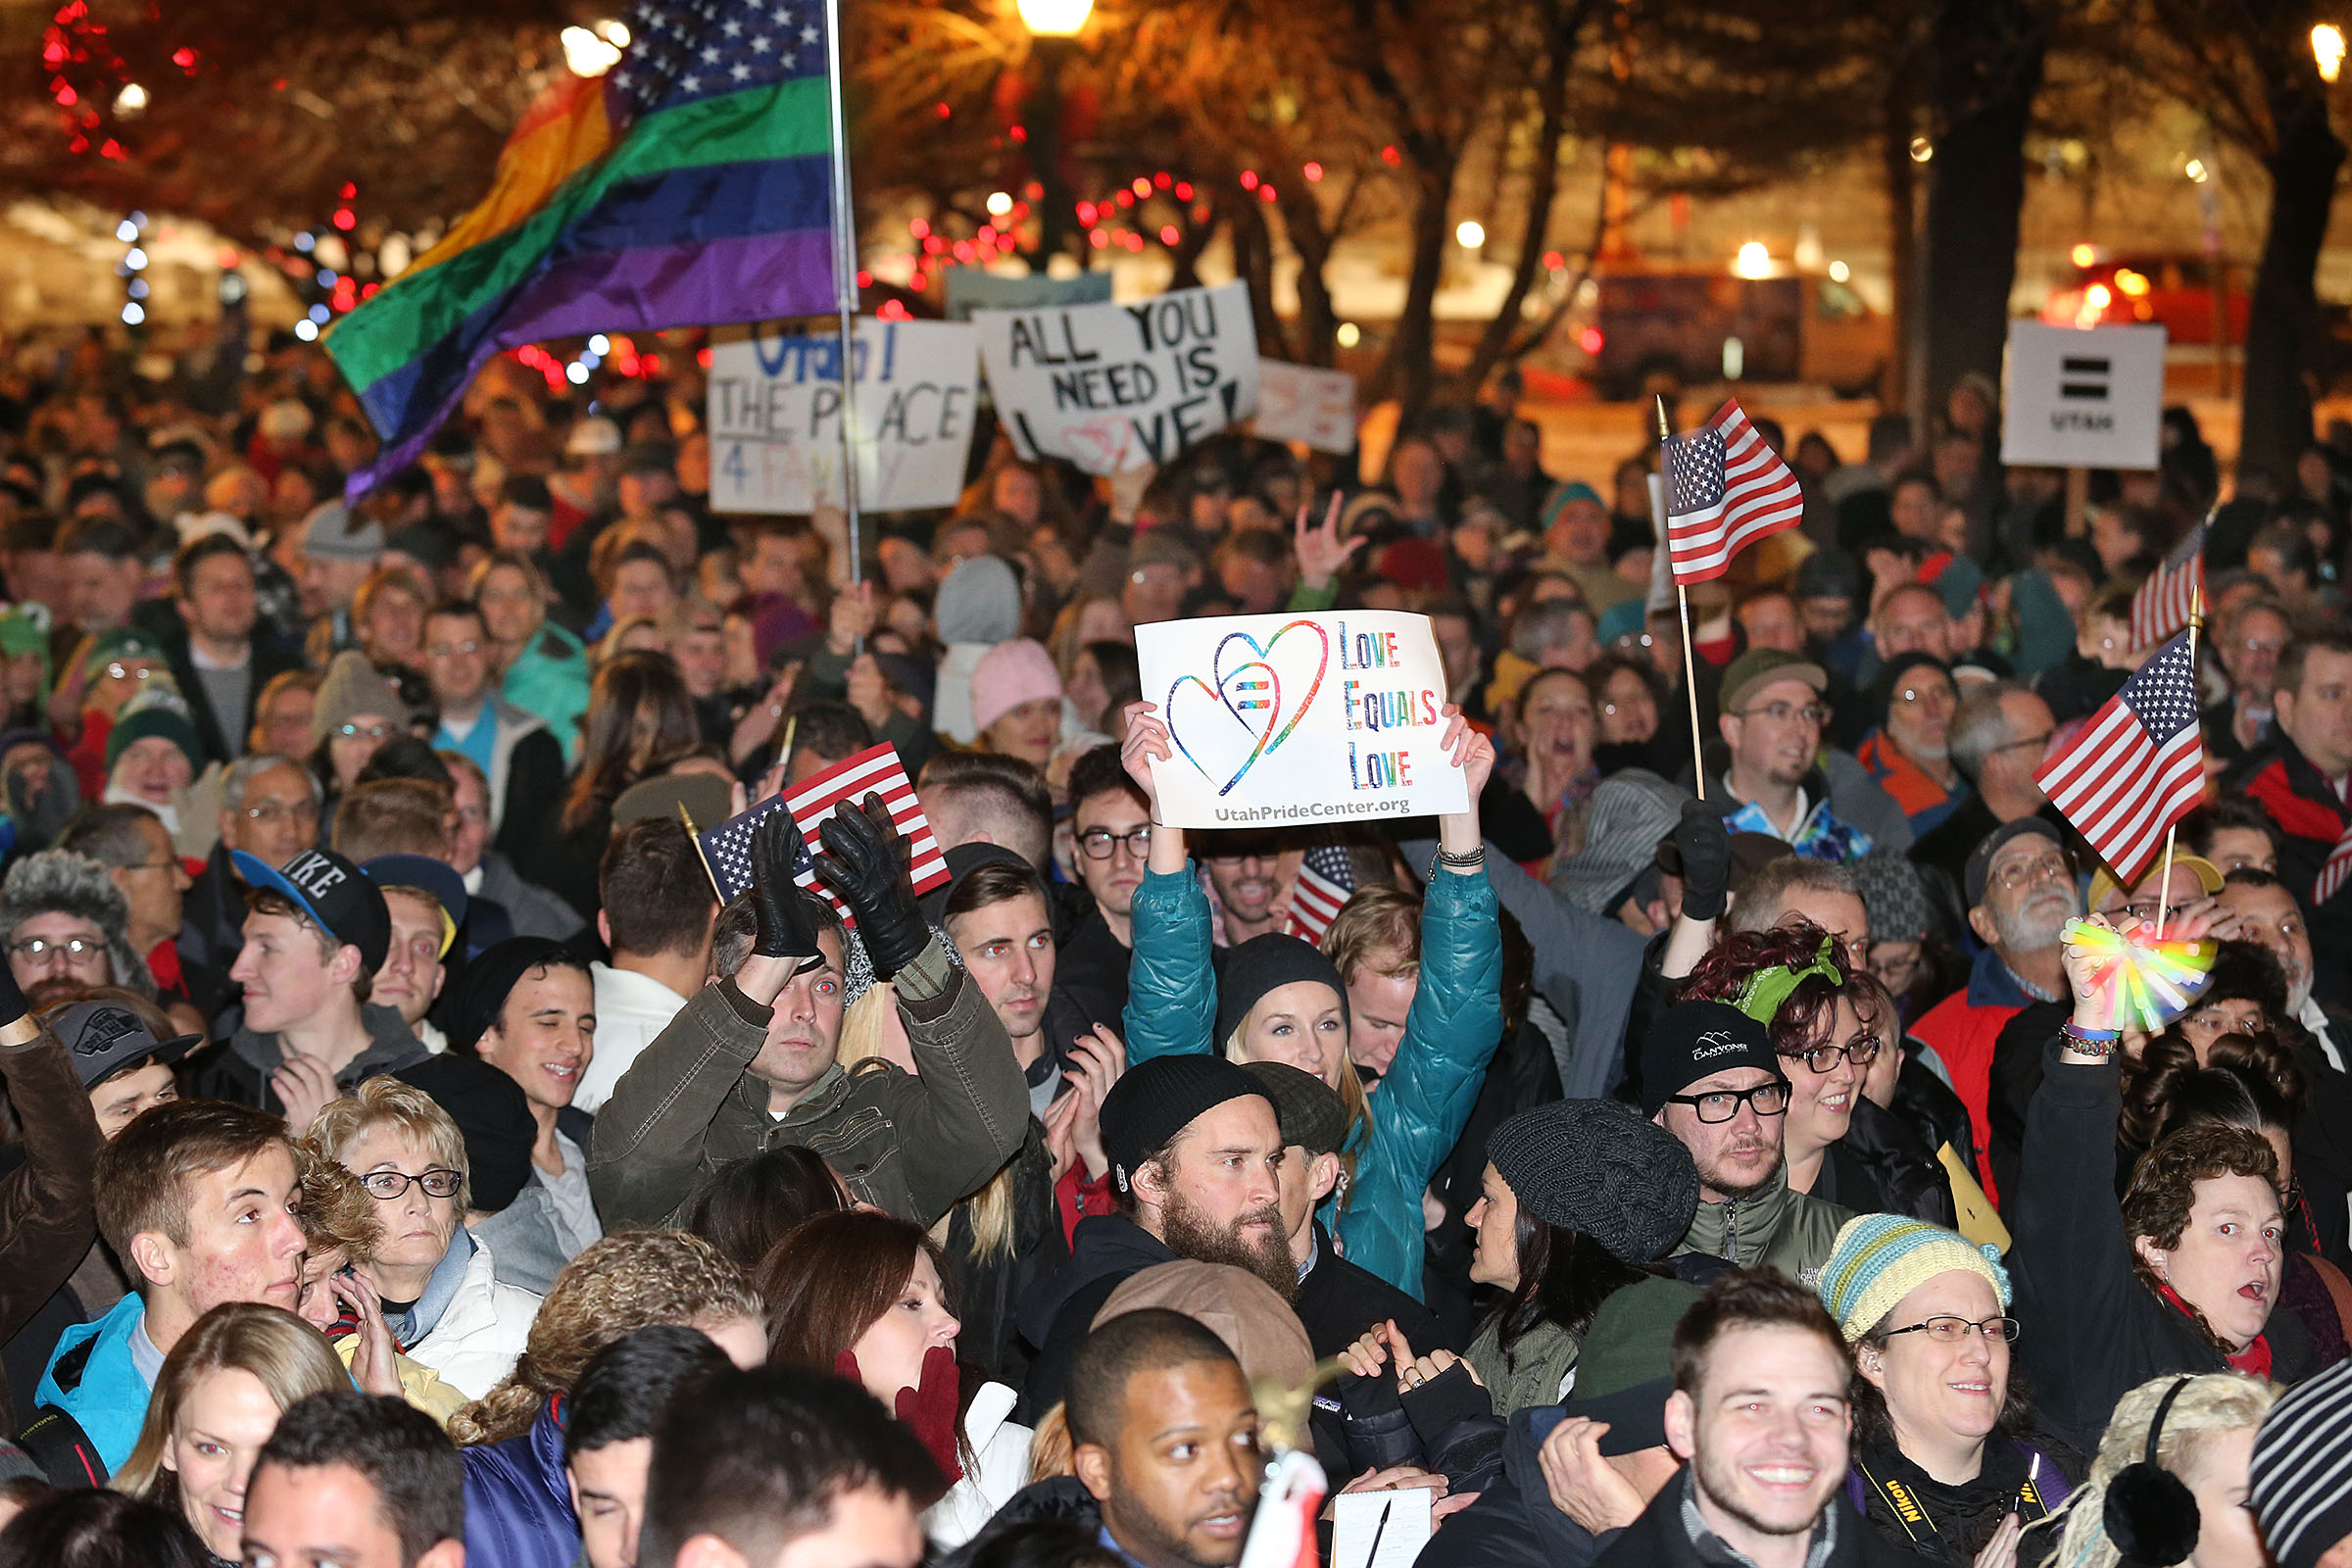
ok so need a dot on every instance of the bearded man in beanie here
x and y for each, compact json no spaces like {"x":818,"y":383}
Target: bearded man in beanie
{"x":1196,"y":1152}
{"x":66,"y":925}
{"x":1709,"y":1077}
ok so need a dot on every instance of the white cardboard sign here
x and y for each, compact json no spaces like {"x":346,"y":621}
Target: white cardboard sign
{"x":1297,"y":402}
{"x":1293,"y":719}
{"x":1112,"y":387}
{"x":2083,"y":398}
{"x":775,"y":417}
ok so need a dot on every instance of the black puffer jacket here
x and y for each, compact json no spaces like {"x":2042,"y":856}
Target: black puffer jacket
{"x":1881,"y":1167}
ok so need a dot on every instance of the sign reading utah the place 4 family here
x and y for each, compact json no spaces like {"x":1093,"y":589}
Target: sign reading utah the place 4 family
{"x":1283,"y":720}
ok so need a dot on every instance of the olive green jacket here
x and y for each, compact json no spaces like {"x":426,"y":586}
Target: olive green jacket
{"x":1773,"y":1228}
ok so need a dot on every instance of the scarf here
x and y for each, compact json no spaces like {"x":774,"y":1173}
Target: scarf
{"x":2255,"y":1358}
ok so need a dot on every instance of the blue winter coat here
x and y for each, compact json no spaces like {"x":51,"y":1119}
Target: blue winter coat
{"x":517,"y":1504}
{"x":1417,"y":1113}
{"x":91,"y":1378}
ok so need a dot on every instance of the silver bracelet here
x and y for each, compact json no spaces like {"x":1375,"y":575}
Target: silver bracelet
{"x":1468,"y":860}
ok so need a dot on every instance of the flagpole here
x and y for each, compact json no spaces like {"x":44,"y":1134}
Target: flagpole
{"x":2163,"y":889}
{"x":1681,"y":599}
{"x":845,"y":285}
{"x":693,"y":836}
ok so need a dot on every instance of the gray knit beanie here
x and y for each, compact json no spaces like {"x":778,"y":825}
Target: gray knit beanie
{"x":67,"y":882}
{"x":1630,"y":811}
{"x":1593,"y":1166}
{"x":979,"y":601}
{"x":1892,"y":896}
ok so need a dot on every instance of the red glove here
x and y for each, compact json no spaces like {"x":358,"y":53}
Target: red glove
{"x":930,"y":1407}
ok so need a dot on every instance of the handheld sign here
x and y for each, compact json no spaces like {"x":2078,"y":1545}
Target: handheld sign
{"x":775,"y":417}
{"x":1279,"y":719}
{"x":2083,"y":398}
{"x":1297,"y":403}
{"x":1113,"y":387}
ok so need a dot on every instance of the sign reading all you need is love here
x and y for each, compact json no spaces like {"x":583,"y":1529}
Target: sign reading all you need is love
{"x":1290,"y":720}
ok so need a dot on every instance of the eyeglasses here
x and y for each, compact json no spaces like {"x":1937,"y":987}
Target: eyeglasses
{"x":1815,"y":713}
{"x":276,"y":811}
{"x":1861,"y":1051}
{"x":2147,"y":909}
{"x":1719,"y":1105}
{"x":439,"y":1182}
{"x":122,"y":672}
{"x":2039,"y":742}
{"x":40,"y":949}
{"x":1925,"y":694}
{"x":1947,"y":1330}
{"x":2221,"y":1023}
{"x":352,"y":732}
{"x":1099,"y":843}
{"x":452,"y":650}
{"x":2017,"y":873}
{"x":2261,"y":644}
{"x":148,"y":865}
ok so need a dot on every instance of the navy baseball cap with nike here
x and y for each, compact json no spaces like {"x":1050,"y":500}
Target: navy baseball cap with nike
{"x":335,"y":894}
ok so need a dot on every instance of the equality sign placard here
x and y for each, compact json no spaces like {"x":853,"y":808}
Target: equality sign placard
{"x":1296,"y":402}
{"x":775,"y":417}
{"x":2083,"y":398}
{"x":1281,"y":719}
{"x":1112,"y":387}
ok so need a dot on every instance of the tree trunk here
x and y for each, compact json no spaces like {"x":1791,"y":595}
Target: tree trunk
{"x":1903,"y":246}
{"x":1253,"y":258}
{"x":1985,"y":59}
{"x":1302,"y":218}
{"x":2283,"y":320}
{"x":1408,"y":372}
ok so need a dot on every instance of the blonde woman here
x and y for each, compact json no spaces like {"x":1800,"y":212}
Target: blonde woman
{"x":440,"y":1295}
{"x":215,"y":1402}
{"x":2204,"y":1429}
{"x":340,"y":1224}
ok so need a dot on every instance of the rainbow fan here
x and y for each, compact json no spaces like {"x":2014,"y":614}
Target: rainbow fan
{"x":2138,"y":979}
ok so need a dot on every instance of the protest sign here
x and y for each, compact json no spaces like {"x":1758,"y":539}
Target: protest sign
{"x":2083,"y":398}
{"x":775,"y":417}
{"x":1298,"y":404}
{"x":970,"y":289}
{"x":1288,"y":719}
{"x":1112,"y":387}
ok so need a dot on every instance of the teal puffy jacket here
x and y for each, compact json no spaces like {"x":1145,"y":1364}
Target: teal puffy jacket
{"x":1421,"y":1103}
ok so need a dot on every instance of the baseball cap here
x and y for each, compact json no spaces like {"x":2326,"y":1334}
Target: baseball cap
{"x":1309,"y":1111}
{"x":1978,"y":870}
{"x":436,"y":877}
{"x":1695,"y":1040}
{"x":332,"y":892}
{"x":105,"y":1037}
{"x":1759,"y":667}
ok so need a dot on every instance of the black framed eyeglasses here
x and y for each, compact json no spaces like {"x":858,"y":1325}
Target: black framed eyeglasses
{"x":1099,"y":843}
{"x":1718,"y":1106}
{"x":1944,"y":1329}
{"x":1861,"y":1051}
{"x":387,"y":1185}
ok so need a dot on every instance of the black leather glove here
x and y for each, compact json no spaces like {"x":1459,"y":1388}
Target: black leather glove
{"x":784,"y":931}
{"x":1706,"y":852}
{"x":865,"y":862}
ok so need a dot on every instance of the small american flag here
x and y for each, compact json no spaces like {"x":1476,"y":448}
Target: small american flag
{"x":876,"y":770}
{"x":2137,"y":767}
{"x":1325,"y":882}
{"x":2162,"y":606}
{"x":2336,"y":872}
{"x":727,"y":849}
{"x":1725,"y":489}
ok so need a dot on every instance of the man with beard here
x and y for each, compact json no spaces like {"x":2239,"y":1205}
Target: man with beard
{"x":2019,"y":888}
{"x":1243,"y":883}
{"x":1196,"y":1152}
{"x":1781,"y":782}
{"x":1996,"y":736}
{"x":1164,"y":1441}
{"x":1910,"y":754}
{"x":65,"y":926}
{"x":1760,"y":1418}
{"x":1710,"y":1078}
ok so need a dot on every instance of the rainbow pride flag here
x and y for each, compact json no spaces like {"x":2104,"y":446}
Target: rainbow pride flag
{"x":688,"y":185}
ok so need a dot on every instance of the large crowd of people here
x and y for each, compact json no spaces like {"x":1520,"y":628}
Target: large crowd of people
{"x":1705,"y":1147}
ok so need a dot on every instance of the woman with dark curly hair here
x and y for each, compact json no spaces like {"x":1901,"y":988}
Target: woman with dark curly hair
{"x":1828,"y":1026}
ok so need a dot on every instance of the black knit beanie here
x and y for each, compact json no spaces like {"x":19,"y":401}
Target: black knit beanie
{"x":1260,"y":965}
{"x":1695,"y":1040}
{"x":492,"y":1116}
{"x":1155,"y":1101}
{"x":1593,"y":1165}
{"x":480,"y":993}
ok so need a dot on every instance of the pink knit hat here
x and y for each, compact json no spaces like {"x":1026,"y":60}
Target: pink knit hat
{"x":1008,"y":675}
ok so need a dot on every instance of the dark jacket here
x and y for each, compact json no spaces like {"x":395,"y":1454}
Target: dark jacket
{"x":2092,"y":1331}
{"x":238,"y":1069}
{"x":1091,"y":966}
{"x":212,"y":931}
{"x":1056,"y":1499}
{"x":2284,"y":782}
{"x":517,"y":1504}
{"x":46,"y":1220}
{"x":1659,"y":1539}
{"x":1881,"y":1167}
{"x":1056,"y":1310}
{"x":222,"y":735}
{"x":1336,"y":1303}
{"x":912,"y":1146}
{"x":1920,"y":1517}
{"x":1514,"y":1523}
{"x":989,"y":1287}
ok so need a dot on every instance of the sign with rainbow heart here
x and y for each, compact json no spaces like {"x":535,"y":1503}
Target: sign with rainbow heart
{"x":1278,"y":719}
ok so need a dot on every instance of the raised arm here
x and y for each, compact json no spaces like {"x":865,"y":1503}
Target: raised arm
{"x":46,"y":1218}
{"x":1171,"y":990}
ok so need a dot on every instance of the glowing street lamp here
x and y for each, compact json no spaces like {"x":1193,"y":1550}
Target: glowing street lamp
{"x":1056,"y":19}
{"x":2327,"y":49}
{"x":1054,"y":32}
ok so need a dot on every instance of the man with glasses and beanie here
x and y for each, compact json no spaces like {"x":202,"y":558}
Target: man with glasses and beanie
{"x":315,"y":932}
{"x":1780,"y":782}
{"x":1710,"y":1076}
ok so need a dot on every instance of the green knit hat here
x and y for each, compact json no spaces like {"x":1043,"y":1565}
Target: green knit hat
{"x":1881,"y":1258}
{"x":153,"y":721}
{"x":1624,"y":1368}
{"x":123,"y":642}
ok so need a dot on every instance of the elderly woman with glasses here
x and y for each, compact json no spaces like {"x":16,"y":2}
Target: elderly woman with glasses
{"x":1947,"y":1463}
{"x":1828,"y":1024}
{"x":438,"y":1285}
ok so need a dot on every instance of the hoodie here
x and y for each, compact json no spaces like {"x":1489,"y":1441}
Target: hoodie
{"x":93,"y":1378}
{"x":239,"y":1068}
{"x":1056,"y":1311}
